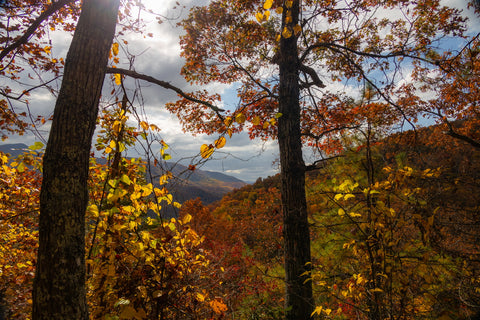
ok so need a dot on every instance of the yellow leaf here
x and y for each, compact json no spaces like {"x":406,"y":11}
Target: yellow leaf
{"x":286,"y":33}
{"x":220,"y":142}
{"x":93,"y":209}
{"x":240,"y":118}
{"x":200,"y":297}
{"x":297,"y":29}
{"x":21,"y":167}
{"x":256,"y":121}
{"x":279,"y":10}
{"x":147,"y":190}
{"x":289,"y":4}
{"x":348,"y":196}
{"x":318,"y":310}
{"x":164,"y":178}
{"x":186,"y":219}
{"x":118,"y":79}
{"x":115,"y":49}
{"x":338,"y":196}
{"x":268,"y":4}
{"x":259,"y":17}
{"x":266,"y":15}
{"x":228,"y":121}
{"x":341,"y":212}
{"x":144,"y":125}
{"x":113,"y":144}
{"x":206,"y":151}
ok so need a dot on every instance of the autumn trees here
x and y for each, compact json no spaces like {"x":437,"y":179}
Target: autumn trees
{"x":288,"y":62}
{"x":308,"y":73}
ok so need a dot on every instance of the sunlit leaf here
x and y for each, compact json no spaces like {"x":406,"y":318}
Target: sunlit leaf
{"x":115,"y":47}
{"x":186,"y":219}
{"x":228,"y":121}
{"x":206,"y":151}
{"x":268,"y":4}
{"x":220,"y":142}
{"x":259,"y":17}
{"x":118,"y":79}
{"x":240,"y":118}
{"x":286,"y":33}
{"x":125,"y":179}
{"x":36,"y":146}
{"x":297,"y":29}
{"x":144,"y":125}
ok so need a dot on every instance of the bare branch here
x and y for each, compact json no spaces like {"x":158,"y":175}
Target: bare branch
{"x":313,"y":74}
{"x":163,"y":84}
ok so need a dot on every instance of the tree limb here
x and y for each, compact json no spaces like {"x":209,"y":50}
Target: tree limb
{"x":163,"y":84}
{"x":31,"y":29}
{"x":313,"y":74}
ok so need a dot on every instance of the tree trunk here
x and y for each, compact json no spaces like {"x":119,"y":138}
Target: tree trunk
{"x":59,"y":286}
{"x":299,"y":298}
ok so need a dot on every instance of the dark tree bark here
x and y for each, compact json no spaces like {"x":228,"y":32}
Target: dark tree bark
{"x":59,"y":286}
{"x":299,"y":297}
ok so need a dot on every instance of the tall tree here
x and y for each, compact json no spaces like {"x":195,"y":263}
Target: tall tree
{"x":59,"y":286}
{"x":299,"y":297}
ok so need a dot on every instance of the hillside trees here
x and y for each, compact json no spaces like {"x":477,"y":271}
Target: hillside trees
{"x":59,"y":288}
{"x":288,"y":62}
{"x":392,"y":248}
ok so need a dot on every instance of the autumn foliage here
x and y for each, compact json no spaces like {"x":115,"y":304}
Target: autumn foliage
{"x":393,"y":214}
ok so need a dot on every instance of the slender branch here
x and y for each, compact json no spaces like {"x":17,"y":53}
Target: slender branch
{"x":336,"y":47}
{"x":163,"y":84}
{"x":319,"y":164}
{"x":451,"y":132}
{"x":33,"y":27}
{"x":24,"y":92}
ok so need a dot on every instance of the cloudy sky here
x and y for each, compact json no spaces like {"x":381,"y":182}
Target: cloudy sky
{"x":159,"y":56}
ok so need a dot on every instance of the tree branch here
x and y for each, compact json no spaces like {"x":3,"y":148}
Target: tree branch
{"x":319,"y":164}
{"x":163,"y":84}
{"x":451,"y":132}
{"x":31,"y":29}
{"x":313,"y":74}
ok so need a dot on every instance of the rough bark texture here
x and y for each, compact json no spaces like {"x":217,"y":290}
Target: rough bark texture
{"x":299,"y":300}
{"x":59,"y":286}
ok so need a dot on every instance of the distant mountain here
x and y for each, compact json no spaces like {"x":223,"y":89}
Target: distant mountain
{"x":14,"y":149}
{"x":186,"y":184}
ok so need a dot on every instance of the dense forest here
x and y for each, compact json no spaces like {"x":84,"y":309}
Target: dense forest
{"x":389,"y":233}
{"x":381,"y":222}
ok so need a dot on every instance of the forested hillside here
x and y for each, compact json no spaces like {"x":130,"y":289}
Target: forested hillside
{"x":394,"y":227}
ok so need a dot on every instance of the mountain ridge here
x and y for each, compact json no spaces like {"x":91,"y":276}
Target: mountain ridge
{"x":209,"y":186}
